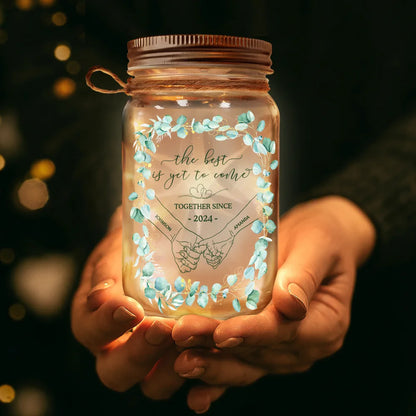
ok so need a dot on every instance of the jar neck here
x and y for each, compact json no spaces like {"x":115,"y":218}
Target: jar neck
{"x":196,"y":79}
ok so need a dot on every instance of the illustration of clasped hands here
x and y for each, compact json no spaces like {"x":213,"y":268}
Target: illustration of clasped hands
{"x":187,"y":248}
{"x":321,"y":244}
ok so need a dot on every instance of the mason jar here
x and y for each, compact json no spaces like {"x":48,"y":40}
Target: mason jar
{"x":200,"y":175}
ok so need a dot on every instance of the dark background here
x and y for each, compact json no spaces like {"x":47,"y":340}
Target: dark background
{"x":344,"y":71}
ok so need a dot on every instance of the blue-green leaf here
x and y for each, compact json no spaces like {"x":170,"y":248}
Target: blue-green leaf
{"x":261,"y":125}
{"x":136,"y":238}
{"x":249,"y":288}
{"x":232,"y":134}
{"x":150,"y":293}
{"x":261,"y":183}
{"x":180,"y":284}
{"x":213,"y":125}
{"x":145,"y":210}
{"x":160,"y":283}
{"x":250,"y":116}
{"x":177,"y":300}
{"x":150,"y":193}
{"x":167,"y":119}
{"x":133,"y":196}
{"x":145,"y":231}
{"x":241,"y":126}
{"x":181,"y":120}
{"x":270,"y":226}
{"x":217,"y":119}
{"x":236,"y":305}
{"x":274,"y":164}
{"x":248,"y":139}
{"x":224,"y":128}
{"x":198,"y":127}
{"x":268,"y":197}
{"x":194,"y":288}
{"x":257,"y":226}
{"x":259,"y":148}
{"x":261,"y":244}
{"x":182,"y":132}
{"x":256,"y":169}
{"x":242,"y":118}
{"x":249,"y":273}
{"x":136,"y":215}
{"x":146,"y":173}
{"x":202,"y":299}
{"x":232,"y":279}
{"x":140,"y":156}
{"x":251,"y":305}
{"x":262,"y":270}
{"x":151,"y":146}
{"x":254,"y":296}
{"x":225,"y":293}
{"x":190,"y":299}
{"x":148,"y":269}
{"x":216,"y":287}
{"x":204,"y":288}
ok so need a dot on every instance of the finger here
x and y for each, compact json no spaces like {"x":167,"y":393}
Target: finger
{"x":200,"y":397}
{"x":308,"y":262}
{"x":215,"y":367}
{"x":187,"y":263}
{"x":193,"y":254}
{"x":127,"y":363}
{"x":264,"y":329}
{"x":162,"y":381}
{"x":194,"y":330}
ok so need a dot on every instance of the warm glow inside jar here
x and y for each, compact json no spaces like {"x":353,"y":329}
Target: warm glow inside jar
{"x":200,"y":176}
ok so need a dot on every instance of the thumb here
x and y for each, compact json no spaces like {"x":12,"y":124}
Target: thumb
{"x":299,"y":277}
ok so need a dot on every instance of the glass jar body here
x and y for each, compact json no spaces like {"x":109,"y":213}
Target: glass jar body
{"x":200,"y":201}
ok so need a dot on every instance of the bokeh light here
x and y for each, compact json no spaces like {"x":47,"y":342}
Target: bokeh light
{"x":46,"y":3}
{"x":31,"y":401}
{"x":24,"y":4}
{"x":33,"y":194}
{"x":62,"y":52}
{"x":6,"y":255}
{"x":42,"y":169}
{"x":59,"y":18}
{"x":43,"y":284}
{"x":7,"y":393}
{"x":17,"y":311}
{"x":64,"y":87}
{"x":2,"y":162}
{"x":73,"y":67}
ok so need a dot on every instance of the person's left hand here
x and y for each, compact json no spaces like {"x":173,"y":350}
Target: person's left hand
{"x":321,"y":242}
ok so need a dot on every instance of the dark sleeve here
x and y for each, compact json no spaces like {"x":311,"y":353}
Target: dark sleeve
{"x":382,"y":182}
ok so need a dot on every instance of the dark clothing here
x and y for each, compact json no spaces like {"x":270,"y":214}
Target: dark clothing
{"x":344,"y":83}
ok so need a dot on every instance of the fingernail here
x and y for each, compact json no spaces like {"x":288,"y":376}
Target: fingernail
{"x":205,"y":409}
{"x":122,"y":315}
{"x":186,"y":342}
{"x":105,"y":284}
{"x":195,"y":372}
{"x":157,"y":333}
{"x":299,"y":295}
{"x":230,"y":342}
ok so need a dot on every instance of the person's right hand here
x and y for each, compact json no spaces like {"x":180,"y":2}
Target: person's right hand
{"x":128,"y":347}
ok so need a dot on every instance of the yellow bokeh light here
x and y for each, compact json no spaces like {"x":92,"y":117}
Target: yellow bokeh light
{"x":2,"y":162}
{"x":64,"y":87}
{"x":58,"y":18}
{"x":46,"y":3}
{"x":17,"y":311}
{"x":62,"y":52}
{"x":42,"y":169}
{"x":33,"y":194}
{"x":24,"y":4}
{"x":7,"y":393}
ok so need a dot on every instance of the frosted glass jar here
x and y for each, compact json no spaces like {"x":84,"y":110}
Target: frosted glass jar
{"x":200,"y":176}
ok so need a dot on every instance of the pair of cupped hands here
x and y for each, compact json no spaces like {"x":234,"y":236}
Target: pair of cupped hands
{"x":321,"y":244}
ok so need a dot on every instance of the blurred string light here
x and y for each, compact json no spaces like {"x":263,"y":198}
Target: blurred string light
{"x":44,"y":284}
{"x":59,"y":19}
{"x":62,"y":52}
{"x":31,"y":401}
{"x":46,"y":3}
{"x":2,"y":162}
{"x":64,"y":87}
{"x":10,"y":138}
{"x":7,"y":393}
{"x":33,"y":194}
{"x":42,"y":169}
